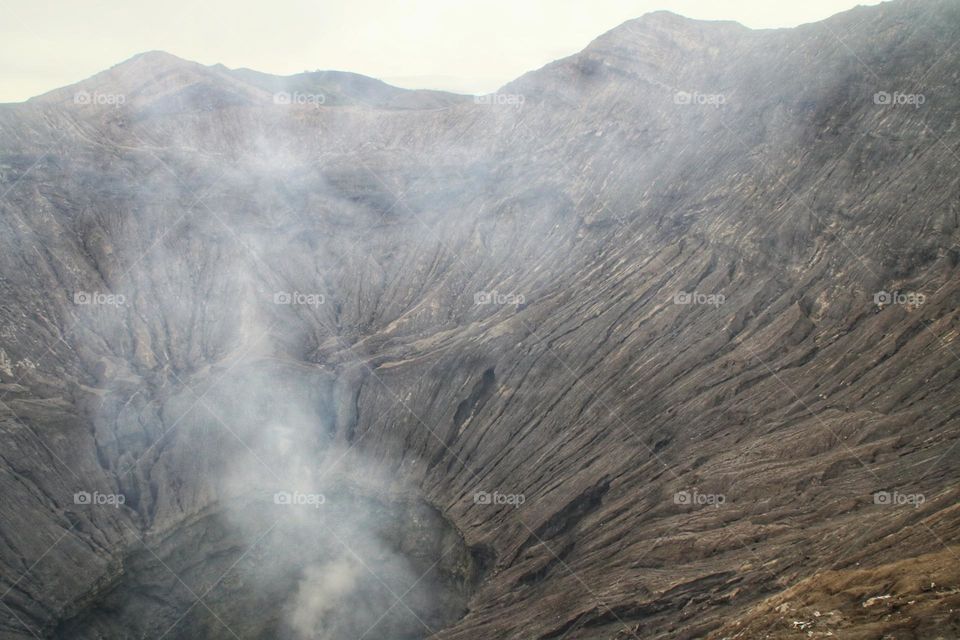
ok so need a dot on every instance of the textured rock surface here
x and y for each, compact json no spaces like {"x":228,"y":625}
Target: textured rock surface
{"x":669,"y":157}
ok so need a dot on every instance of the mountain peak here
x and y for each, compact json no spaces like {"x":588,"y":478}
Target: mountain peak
{"x":664,"y":21}
{"x":663,"y":17}
{"x":158,"y":60}
{"x":157,"y":56}
{"x":653,"y":34}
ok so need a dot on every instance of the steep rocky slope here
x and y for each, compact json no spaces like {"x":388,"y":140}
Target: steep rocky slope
{"x":657,"y":342}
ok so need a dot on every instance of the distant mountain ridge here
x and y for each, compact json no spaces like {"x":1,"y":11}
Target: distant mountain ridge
{"x":157,"y":75}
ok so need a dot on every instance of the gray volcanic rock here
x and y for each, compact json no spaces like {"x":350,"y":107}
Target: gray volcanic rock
{"x":659,"y":341}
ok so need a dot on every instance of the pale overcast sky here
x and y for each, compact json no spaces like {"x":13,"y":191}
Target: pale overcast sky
{"x":471,"y":46}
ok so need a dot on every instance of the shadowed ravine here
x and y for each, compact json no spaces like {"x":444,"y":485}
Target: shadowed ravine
{"x":659,"y":343}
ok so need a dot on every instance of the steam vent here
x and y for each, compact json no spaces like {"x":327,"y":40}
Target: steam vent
{"x":658,"y":341}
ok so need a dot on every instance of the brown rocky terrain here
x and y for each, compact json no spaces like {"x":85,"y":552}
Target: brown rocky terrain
{"x":659,"y":341}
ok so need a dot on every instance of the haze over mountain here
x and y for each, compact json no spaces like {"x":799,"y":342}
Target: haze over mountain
{"x":658,"y":341}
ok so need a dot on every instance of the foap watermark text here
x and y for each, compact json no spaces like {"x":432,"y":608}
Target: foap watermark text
{"x":99,"y":298}
{"x":299,"y":298}
{"x":99,"y":99}
{"x":695,"y":498}
{"x":696,"y":98}
{"x":497,"y":498}
{"x":695,"y":297}
{"x":898,"y":99}
{"x":97,"y":499}
{"x":908,"y":298}
{"x":495,"y":297}
{"x":285,"y":98}
{"x":897,"y":499}
{"x":514,"y":100}
{"x":296,"y":498}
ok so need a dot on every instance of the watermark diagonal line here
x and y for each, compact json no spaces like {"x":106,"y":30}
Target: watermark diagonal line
{"x":404,"y":594}
{"x":185,"y":585}
{"x":39,"y":439}
{"x":209,"y":388}
{"x":22,"y":623}
{"x":37,"y":561}
{"x":218,"y":581}
{"x":374,"y":574}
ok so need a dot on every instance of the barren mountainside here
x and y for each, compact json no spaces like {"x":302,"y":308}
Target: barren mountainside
{"x":658,"y":341}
